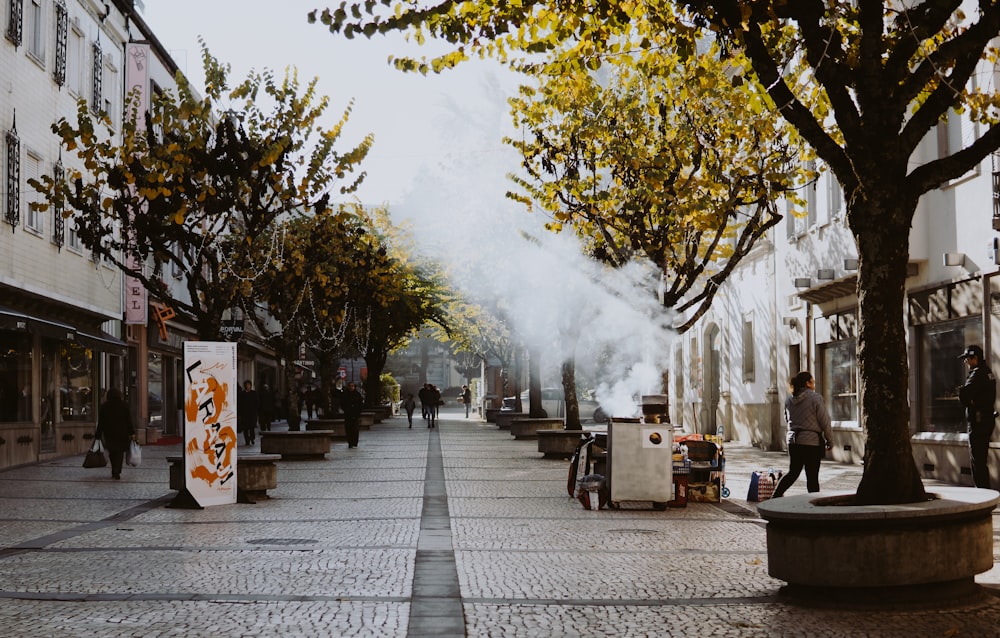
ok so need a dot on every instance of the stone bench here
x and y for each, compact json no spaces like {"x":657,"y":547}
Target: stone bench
{"x":299,"y":444}
{"x":331,"y":425}
{"x":504,"y":419}
{"x":527,"y":428}
{"x":255,"y":475}
{"x":559,"y":443}
{"x":491,"y":414}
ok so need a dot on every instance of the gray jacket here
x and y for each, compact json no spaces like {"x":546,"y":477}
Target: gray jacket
{"x":808,"y":420}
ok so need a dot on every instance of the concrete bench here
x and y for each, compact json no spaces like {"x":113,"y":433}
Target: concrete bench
{"x":504,"y":418}
{"x":300,"y":444}
{"x":332,"y":425}
{"x":527,"y":428}
{"x":255,"y":475}
{"x":559,"y":443}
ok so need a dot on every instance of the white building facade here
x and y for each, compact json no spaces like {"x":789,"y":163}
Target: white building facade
{"x":792,"y":306}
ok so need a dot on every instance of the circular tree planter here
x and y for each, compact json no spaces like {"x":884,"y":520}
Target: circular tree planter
{"x":527,"y":428}
{"x":826,"y":548}
{"x":559,"y":444}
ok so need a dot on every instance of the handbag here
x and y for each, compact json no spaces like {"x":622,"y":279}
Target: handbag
{"x":95,"y":456}
{"x":133,"y":454}
{"x":762,"y":484}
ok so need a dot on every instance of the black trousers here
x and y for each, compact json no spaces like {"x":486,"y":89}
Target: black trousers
{"x":979,"y":449}
{"x":801,"y":457}
{"x":352,"y":424}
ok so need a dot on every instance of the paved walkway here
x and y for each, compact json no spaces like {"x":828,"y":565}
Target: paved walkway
{"x":449,"y":532}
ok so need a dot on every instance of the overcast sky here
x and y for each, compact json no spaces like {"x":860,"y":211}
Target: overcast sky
{"x":415,"y":118}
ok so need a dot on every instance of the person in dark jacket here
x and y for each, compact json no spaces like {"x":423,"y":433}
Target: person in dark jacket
{"x":809,"y":431}
{"x":114,"y":427}
{"x":425,"y":402}
{"x":978,"y":395}
{"x":434,"y":404}
{"x":266,"y":415}
{"x":351,"y":403}
{"x":247,"y":412}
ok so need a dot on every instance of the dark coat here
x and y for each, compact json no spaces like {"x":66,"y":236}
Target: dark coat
{"x":247,"y":410}
{"x":351,"y":403}
{"x":114,"y":424}
{"x":978,"y":395}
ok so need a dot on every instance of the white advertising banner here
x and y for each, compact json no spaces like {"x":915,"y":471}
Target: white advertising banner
{"x":210,"y":421}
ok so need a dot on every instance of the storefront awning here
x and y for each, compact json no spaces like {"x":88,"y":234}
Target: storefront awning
{"x":102,"y":341}
{"x":22,"y":322}
{"x":844,"y":287}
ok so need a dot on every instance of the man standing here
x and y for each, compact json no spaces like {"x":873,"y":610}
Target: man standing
{"x":351,"y":403}
{"x":978,"y":395}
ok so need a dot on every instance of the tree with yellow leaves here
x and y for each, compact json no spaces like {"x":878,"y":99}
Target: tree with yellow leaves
{"x":864,"y":83}
{"x":196,"y":185}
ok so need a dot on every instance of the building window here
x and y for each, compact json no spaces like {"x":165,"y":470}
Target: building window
{"x":62,"y":34}
{"x":33,"y":219}
{"x":835,"y":197}
{"x":36,"y":30}
{"x":109,"y":106}
{"x":15,"y":9}
{"x":12,"y":211}
{"x":58,"y":221}
{"x":812,"y":201}
{"x":748,"y":349}
{"x":97,"y":79}
{"x":75,"y":61}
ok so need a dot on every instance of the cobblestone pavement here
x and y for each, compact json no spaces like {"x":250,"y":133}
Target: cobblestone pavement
{"x":456,"y":531}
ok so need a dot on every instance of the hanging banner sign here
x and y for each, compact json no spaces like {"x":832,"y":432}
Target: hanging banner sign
{"x":137,"y":83}
{"x":210,"y":421}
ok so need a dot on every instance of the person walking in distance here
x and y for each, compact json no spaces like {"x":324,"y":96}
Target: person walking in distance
{"x":808,"y":432}
{"x":425,"y":402}
{"x":114,"y":427}
{"x":351,"y":403}
{"x":466,"y":399}
{"x":978,"y":395}
{"x":409,"y":405}
{"x":266,"y":408}
{"x":247,"y":410}
{"x":434,"y":399}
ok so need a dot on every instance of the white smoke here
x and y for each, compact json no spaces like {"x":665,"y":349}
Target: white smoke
{"x":495,"y":250}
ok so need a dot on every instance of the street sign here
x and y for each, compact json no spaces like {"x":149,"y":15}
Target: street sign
{"x":304,"y":362}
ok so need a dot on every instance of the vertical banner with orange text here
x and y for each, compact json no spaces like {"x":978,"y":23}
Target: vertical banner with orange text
{"x":210,"y":421}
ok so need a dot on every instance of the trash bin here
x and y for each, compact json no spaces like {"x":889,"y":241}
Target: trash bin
{"x":639,"y":462}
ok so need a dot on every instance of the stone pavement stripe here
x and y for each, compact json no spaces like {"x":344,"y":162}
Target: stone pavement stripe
{"x":436,"y":608}
{"x":44,"y":541}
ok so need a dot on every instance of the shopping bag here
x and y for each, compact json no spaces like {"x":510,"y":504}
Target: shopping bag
{"x":762,"y":484}
{"x":95,"y":456}
{"x":133,"y":455}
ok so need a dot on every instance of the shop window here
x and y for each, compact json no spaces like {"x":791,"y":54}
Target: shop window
{"x":47,"y":395}
{"x":16,"y":401}
{"x":77,"y":382}
{"x":838,"y":376}
{"x":155,"y":390}
{"x":940,"y":373}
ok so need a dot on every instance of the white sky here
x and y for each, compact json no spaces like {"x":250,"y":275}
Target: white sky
{"x":413,"y":117}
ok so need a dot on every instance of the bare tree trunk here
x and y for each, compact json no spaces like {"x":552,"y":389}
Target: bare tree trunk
{"x":569,"y":394}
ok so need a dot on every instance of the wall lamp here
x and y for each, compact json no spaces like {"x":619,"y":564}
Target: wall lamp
{"x":825,"y":274}
{"x":954,"y":259}
{"x":850,"y":264}
{"x":802,"y":282}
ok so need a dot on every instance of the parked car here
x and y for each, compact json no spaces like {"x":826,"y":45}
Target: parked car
{"x":554,"y":404}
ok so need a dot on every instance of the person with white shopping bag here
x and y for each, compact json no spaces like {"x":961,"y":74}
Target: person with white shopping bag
{"x":114,"y":427}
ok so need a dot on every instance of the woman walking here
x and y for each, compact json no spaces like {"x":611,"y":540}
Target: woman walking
{"x":114,"y":427}
{"x":808,"y":432}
